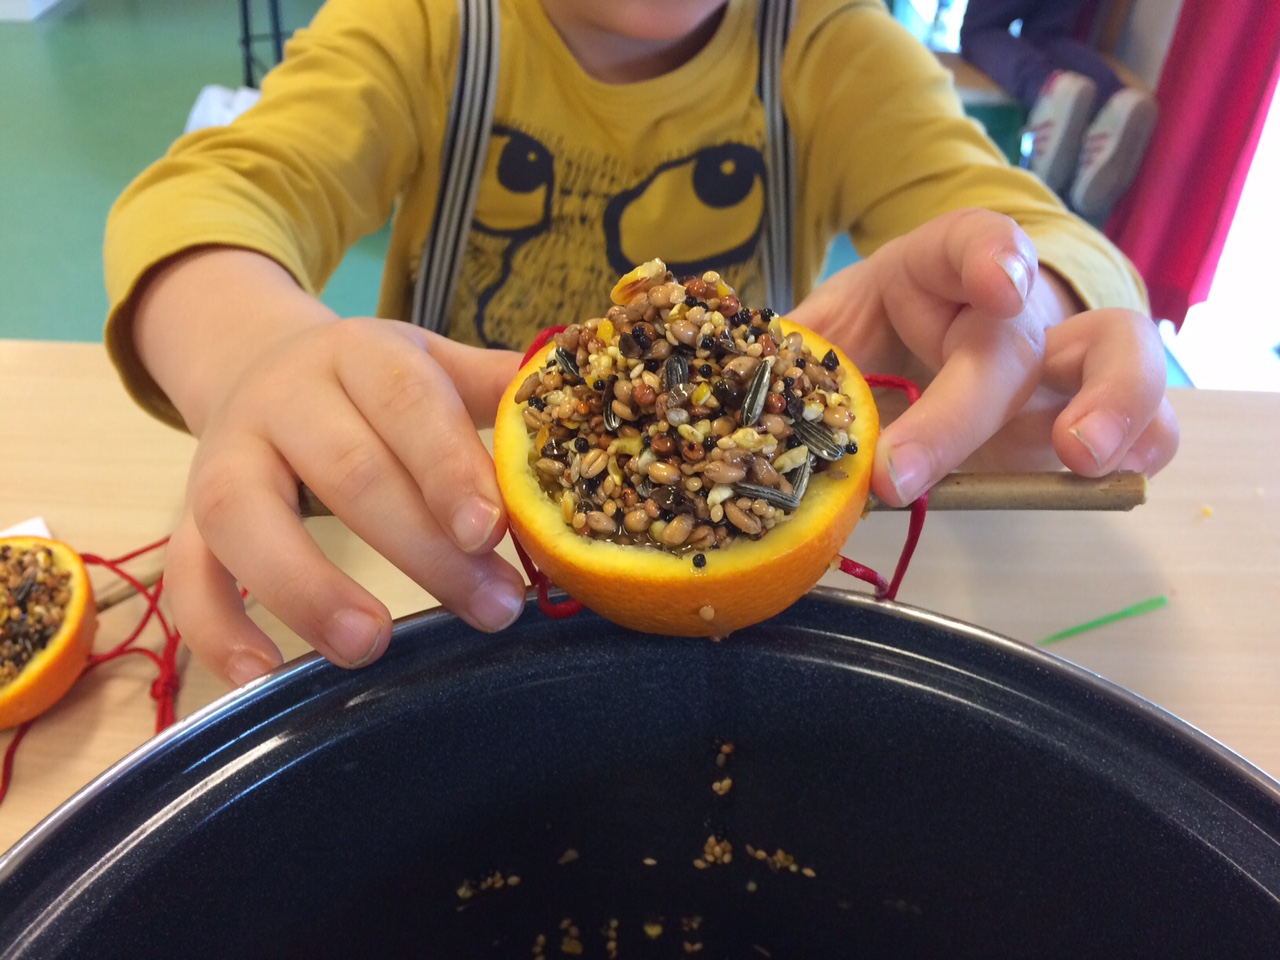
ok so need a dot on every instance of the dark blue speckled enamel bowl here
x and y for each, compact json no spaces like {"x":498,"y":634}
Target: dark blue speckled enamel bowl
{"x":944,"y":792}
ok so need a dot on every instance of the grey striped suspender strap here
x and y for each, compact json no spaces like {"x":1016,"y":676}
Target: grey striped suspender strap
{"x":775,"y":18}
{"x":461,"y":162}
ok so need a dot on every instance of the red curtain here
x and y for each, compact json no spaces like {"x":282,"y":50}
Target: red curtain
{"x":1217,"y":82}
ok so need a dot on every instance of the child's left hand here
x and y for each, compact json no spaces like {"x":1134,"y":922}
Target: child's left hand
{"x":1014,"y":377}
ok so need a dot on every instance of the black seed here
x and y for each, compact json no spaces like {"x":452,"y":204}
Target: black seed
{"x":537,"y":403}
{"x":742,"y":317}
{"x":831,"y":361}
{"x":699,"y":560}
{"x":708,"y":443}
{"x":788,"y":383}
{"x":766,"y":314}
{"x":707,"y":343}
{"x":800,"y":362}
{"x":642,"y":338}
{"x":581,"y":445}
{"x":690,"y":301}
{"x":851,"y":446}
{"x":728,"y":393}
{"x":554,"y":450}
{"x":598,"y":386}
{"x":792,"y":441}
{"x":653,"y":366}
{"x":706,"y":371}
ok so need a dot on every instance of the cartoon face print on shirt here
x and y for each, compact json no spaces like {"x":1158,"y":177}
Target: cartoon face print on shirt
{"x":554,"y":229}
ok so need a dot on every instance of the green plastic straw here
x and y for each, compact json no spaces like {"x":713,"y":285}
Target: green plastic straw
{"x":1146,"y":606}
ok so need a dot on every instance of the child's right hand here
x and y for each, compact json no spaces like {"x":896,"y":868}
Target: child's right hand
{"x":376,"y":417}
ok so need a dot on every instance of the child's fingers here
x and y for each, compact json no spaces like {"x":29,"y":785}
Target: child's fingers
{"x":967,"y":258}
{"x":417,"y":534}
{"x":244,"y":504}
{"x":209,"y":613}
{"x":1112,"y":364}
{"x":480,"y":374}
{"x":360,"y":459}
{"x":414,"y":408}
{"x":991,"y":369}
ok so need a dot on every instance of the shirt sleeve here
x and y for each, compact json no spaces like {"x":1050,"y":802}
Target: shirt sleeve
{"x":318,"y":163}
{"x":888,"y":144}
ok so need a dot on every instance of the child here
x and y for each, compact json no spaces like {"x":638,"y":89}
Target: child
{"x":621,"y":131}
{"x":1090,"y":130}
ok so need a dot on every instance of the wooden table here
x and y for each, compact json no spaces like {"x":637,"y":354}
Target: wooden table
{"x":107,"y":479}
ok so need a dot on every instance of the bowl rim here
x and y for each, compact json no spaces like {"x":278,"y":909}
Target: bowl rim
{"x":1113,"y":694}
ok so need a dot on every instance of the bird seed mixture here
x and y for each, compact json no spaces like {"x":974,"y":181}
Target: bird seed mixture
{"x":33,"y":599}
{"x":681,"y":419}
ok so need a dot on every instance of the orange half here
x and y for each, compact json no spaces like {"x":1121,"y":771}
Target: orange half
{"x":656,"y":591}
{"x":52,"y":670}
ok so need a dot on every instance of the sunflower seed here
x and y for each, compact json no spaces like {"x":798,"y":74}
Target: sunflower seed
{"x":677,"y":370}
{"x":612,"y":422}
{"x":799,"y":478}
{"x":770,"y":495}
{"x":753,"y":402}
{"x":818,"y":438}
{"x":567,"y":364}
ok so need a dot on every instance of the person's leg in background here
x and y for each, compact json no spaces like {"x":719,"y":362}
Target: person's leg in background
{"x":1050,"y":26}
{"x":1123,"y":118}
{"x":1059,"y":101}
{"x":1013,"y":63}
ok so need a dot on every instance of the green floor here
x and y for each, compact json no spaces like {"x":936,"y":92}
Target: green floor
{"x":94,"y":91}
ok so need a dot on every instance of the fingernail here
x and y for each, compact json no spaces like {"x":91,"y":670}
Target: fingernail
{"x":1101,"y":433}
{"x":473,"y":522}
{"x":1018,"y":272}
{"x":353,"y":636}
{"x":245,"y":666}
{"x":910,"y":467}
{"x":496,"y":605}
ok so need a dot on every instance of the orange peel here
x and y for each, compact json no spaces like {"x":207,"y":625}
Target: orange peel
{"x":650,"y":589}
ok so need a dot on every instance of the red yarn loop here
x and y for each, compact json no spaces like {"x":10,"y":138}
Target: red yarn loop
{"x":889,"y":590}
{"x":164,"y":689}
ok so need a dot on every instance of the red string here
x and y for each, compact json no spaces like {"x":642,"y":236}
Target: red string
{"x":540,"y":341}
{"x":889,"y":590}
{"x":164,"y":689}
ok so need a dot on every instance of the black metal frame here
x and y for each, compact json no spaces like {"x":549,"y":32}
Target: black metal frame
{"x":249,"y":40}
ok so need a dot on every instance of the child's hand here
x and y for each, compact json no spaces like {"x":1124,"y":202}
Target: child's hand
{"x":376,"y":417}
{"x":959,"y":306}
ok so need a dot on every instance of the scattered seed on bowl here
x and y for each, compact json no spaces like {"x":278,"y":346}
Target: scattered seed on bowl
{"x":568,"y":856}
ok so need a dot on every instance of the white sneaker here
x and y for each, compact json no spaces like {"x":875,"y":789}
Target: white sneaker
{"x":1057,"y":123}
{"x":1113,"y":149}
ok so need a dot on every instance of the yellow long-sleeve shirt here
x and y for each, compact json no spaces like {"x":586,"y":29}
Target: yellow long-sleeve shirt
{"x":583,"y":179}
